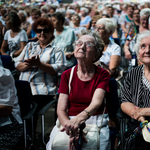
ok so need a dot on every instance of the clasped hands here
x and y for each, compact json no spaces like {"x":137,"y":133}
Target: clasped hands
{"x":71,"y":127}
{"x":138,"y":114}
{"x":33,"y":61}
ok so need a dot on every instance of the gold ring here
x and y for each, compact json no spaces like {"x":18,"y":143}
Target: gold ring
{"x":70,"y":132}
{"x":72,"y":144}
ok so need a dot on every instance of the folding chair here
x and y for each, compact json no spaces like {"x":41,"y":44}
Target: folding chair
{"x":7,"y":62}
{"x":27,"y":107}
{"x":42,"y":113}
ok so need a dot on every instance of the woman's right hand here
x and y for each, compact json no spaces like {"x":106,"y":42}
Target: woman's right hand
{"x":73,"y":143}
{"x":141,"y":119}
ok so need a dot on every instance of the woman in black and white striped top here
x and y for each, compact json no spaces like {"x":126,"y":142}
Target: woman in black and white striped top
{"x":136,"y":96}
{"x":136,"y":90}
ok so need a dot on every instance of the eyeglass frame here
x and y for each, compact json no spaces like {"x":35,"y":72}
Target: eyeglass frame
{"x":74,"y":17}
{"x":98,"y":28}
{"x":85,"y":44}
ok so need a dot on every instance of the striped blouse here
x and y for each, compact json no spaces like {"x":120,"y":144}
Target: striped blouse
{"x":135,"y":89}
{"x":40,"y":81}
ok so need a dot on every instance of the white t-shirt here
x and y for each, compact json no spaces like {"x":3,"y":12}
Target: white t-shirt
{"x":14,"y":44}
{"x":112,"y":49}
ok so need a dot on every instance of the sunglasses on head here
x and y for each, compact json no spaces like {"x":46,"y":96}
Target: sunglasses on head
{"x":45,"y":30}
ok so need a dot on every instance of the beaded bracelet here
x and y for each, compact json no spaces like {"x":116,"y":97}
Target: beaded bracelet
{"x":142,"y":124}
{"x":138,"y":130}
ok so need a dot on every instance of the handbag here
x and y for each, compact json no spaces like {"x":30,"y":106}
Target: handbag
{"x":92,"y":133}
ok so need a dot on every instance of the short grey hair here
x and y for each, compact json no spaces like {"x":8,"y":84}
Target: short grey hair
{"x":99,"y":44}
{"x":24,"y":13}
{"x":70,"y":11}
{"x":145,"y":12}
{"x":44,"y":8}
{"x":84,"y":9}
{"x":138,"y":40}
{"x":110,"y":25}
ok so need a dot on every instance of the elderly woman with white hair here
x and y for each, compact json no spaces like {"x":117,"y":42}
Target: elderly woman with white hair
{"x":84,"y":102}
{"x":69,"y":14}
{"x":136,"y":90}
{"x":131,"y":40}
{"x":23,"y":18}
{"x":110,"y":59}
{"x":85,"y":19}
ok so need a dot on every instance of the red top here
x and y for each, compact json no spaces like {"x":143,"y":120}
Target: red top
{"x":82,"y":91}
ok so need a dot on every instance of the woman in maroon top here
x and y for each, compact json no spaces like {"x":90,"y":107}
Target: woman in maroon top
{"x":89,"y":84}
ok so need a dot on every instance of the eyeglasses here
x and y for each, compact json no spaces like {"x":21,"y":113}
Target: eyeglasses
{"x":87,"y":44}
{"x":98,"y":28}
{"x":74,"y":17}
{"x":45,"y":30}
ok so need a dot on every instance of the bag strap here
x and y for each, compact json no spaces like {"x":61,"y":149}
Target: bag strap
{"x":103,"y":113}
{"x":70,"y":78}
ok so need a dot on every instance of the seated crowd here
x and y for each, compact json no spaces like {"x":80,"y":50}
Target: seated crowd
{"x":48,"y":41}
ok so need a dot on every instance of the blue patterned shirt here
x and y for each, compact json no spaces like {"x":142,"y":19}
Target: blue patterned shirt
{"x":40,"y":81}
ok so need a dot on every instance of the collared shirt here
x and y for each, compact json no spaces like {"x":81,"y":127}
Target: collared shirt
{"x":112,"y":49}
{"x":40,"y":81}
{"x":8,"y":96}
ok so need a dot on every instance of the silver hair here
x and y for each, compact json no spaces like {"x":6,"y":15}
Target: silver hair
{"x":84,"y":9}
{"x":138,"y":40}
{"x":110,"y":25}
{"x":99,"y":44}
{"x":22,"y":11}
{"x":145,"y":12}
{"x":70,"y":11}
{"x":44,"y":7}
{"x":61,"y":10}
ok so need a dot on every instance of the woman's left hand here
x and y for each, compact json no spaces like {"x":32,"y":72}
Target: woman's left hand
{"x":71,"y":127}
{"x":33,"y":61}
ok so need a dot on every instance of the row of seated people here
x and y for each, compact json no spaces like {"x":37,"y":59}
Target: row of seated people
{"x":36,"y":65}
{"x":88,"y":50}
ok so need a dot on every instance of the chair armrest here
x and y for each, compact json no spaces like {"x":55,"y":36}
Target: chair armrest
{"x":46,"y":107}
{"x":121,"y":114}
{"x":31,"y":112}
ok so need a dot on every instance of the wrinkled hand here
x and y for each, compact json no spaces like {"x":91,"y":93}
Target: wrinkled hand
{"x":137,"y":113}
{"x":141,"y":119}
{"x":71,"y":127}
{"x":68,"y":55}
{"x":73,"y":143}
{"x":128,"y":55}
{"x":33,"y":61}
